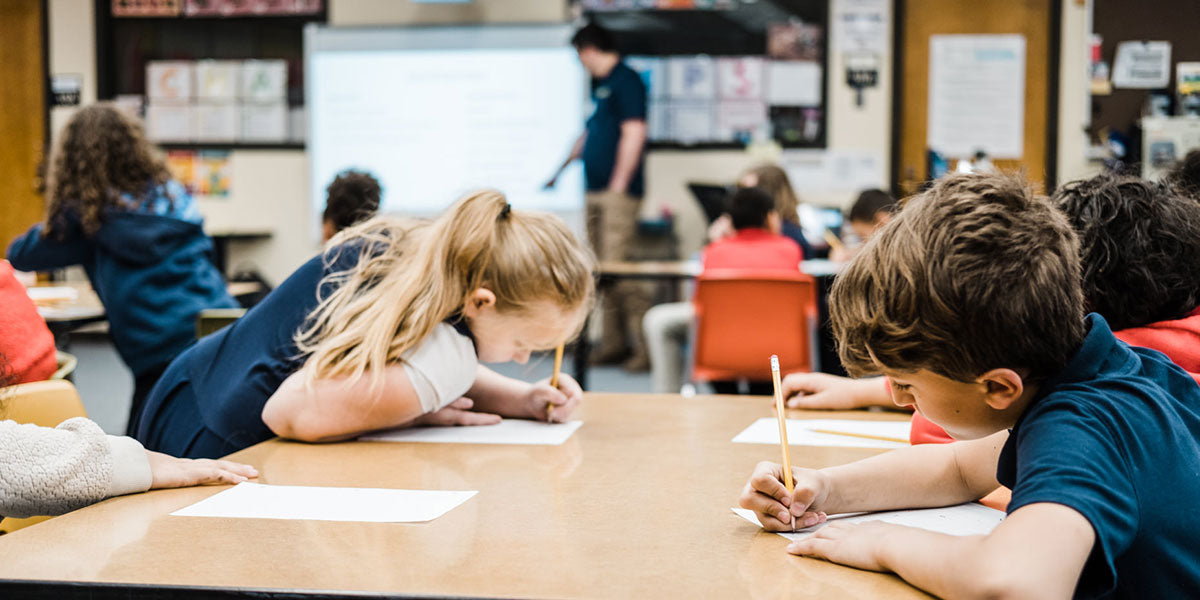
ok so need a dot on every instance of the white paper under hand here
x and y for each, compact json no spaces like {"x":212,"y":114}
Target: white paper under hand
{"x":508,"y":431}
{"x":963,"y":519}
{"x":800,"y":433}
{"x":375,"y":505}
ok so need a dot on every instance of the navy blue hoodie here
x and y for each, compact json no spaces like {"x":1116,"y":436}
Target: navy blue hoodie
{"x":153,"y":272}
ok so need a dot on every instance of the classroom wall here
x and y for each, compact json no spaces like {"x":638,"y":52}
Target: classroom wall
{"x":270,"y":188}
{"x":1074,"y":103}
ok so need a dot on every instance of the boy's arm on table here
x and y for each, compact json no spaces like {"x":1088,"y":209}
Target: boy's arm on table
{"x":505,"y":396}
{"x":921,"y":476}
{"x":32,"y":252}
{"x":1036,"y":552}
{"x":825,"y":391}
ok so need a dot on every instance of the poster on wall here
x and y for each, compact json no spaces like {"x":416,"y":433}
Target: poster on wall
{"x":977,"y":95}
{"x":1142,"y":65}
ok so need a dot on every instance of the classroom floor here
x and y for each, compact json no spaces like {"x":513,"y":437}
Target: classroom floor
{"x":106,"y":385}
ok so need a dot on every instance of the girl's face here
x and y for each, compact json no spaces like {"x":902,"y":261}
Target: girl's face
{"x":513,"y":336}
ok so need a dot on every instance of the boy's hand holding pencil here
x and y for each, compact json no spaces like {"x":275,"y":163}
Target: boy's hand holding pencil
{"x":768,"y":496}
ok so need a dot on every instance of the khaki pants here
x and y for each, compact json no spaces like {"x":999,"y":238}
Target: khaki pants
{"x":611,"y":227}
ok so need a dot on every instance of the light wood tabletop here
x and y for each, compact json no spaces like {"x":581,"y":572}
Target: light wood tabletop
{"x":635,"y":504}
{"x":79,"y":302}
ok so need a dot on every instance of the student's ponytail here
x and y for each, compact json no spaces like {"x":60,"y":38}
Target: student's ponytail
{"x":412,"y":276}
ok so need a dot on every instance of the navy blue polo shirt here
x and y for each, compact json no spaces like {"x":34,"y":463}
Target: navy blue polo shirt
{"x":619,"y":97}
{"x":1114,"y":436}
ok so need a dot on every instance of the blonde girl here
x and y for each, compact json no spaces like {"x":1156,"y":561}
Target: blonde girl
{"x":387,"y":327}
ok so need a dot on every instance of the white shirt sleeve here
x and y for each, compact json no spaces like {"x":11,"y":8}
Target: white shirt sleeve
{"x":442,"y":368}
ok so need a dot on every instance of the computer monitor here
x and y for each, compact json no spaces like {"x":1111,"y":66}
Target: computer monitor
{"x":713,"y":198}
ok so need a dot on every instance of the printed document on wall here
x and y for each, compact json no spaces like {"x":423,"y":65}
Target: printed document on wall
{"x":977,"y":95}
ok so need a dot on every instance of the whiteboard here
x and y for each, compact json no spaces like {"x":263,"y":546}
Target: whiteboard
{"x":435,"y":112}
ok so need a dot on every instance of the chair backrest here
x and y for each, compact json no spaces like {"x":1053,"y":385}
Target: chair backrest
{"x":211,"y":320}
{"x":45,"y":403}
{"x":743,"y":316}
{"x":65,"y":368}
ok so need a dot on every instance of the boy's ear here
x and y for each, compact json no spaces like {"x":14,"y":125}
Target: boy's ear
{"x":478,"y":300}
{"x":1004,"y":387}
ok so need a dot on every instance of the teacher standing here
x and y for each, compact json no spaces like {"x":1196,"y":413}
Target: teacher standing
{"x":611,"y":147}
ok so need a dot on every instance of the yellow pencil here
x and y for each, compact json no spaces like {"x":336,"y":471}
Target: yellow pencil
{"x":783,"y":441}
{"x":833,"y":241}
{"x":869,"y":436}
{"x":558,"y":352}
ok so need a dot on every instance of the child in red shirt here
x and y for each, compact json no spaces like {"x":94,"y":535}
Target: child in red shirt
{"x":24,"y":338}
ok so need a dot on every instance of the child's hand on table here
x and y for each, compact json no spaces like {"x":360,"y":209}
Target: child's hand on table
{"x":554,"y":405}
{"x":766,"y":495}
{"x":850,"y":544}
{"x":169,"y":472}
{"x":456,"y":413}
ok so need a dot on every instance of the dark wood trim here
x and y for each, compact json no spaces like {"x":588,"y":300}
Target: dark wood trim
{"x":897,"y":93}
{"x":1053,"y":102}
{"x":47,"y":100}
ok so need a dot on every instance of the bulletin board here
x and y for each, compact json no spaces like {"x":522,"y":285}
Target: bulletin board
{"x":1119,"y":21}
{"x":721,"y":73}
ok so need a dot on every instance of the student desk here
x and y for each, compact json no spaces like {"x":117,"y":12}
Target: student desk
{"x":63,"y":317}
{"x":608,"y":272}
{"x":635,"y":505}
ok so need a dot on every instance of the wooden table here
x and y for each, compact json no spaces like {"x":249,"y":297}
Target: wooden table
{"x":63,"y":317}
{"x":635,"y":505}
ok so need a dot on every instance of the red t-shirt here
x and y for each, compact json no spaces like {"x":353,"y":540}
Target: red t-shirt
{"x":25,"y":341}
{"x":752,"y":249}
{"x":1178,"y":339}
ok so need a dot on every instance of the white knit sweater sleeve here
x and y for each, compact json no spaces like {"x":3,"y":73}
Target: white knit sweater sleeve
{"x":46,"y":471}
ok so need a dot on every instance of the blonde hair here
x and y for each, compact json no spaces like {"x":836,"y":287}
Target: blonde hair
{"x":413,"y":275}
{"x":774,"y":181}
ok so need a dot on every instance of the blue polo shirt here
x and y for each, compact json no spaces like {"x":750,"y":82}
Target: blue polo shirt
{"x":619,"y":97}
{"x":1114,"y":436}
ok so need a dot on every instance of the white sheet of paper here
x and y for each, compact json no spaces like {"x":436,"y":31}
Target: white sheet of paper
{"x":800,"y":432}
{"x":374,"y":505}
{"x":977,"y":95}
{"x":1142,"y":65}
{"x":963,"y":519}
{"x":793,"y":83}
{"x":508,"y":431}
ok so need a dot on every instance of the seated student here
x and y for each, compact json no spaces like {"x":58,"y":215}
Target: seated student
{"x":774,"y":181}
{"x":112,"y":207}
{"x":756,"y":244}
{"x":1184,"y":175}
{"x":386,"y":328}
{"x":1139,"y":244}
{"x":872,"y":210}
{"x":24,"y":338}
{"x":50,"y":471}
{"x":970,"y":302}
{"x":352,"y":197}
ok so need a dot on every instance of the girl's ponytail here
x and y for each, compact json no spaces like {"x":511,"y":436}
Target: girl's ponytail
{"x":412,"y":276}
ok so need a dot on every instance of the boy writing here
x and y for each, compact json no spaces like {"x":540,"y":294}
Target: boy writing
{"x":970,"y":302}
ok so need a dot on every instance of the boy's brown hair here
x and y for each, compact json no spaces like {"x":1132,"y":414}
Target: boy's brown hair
{"x":975,"y":273}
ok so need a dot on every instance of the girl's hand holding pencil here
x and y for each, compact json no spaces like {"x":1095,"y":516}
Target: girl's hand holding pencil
{"x":554,"y":404}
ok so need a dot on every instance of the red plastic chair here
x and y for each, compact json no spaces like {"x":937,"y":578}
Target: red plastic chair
{"x":743,"y":316}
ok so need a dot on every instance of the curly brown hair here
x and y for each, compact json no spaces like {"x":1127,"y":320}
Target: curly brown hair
{"x":353,"y":197}
{"x":102,"y":153}
{"x":1140,"y":244}
{"x":975,"y":273}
